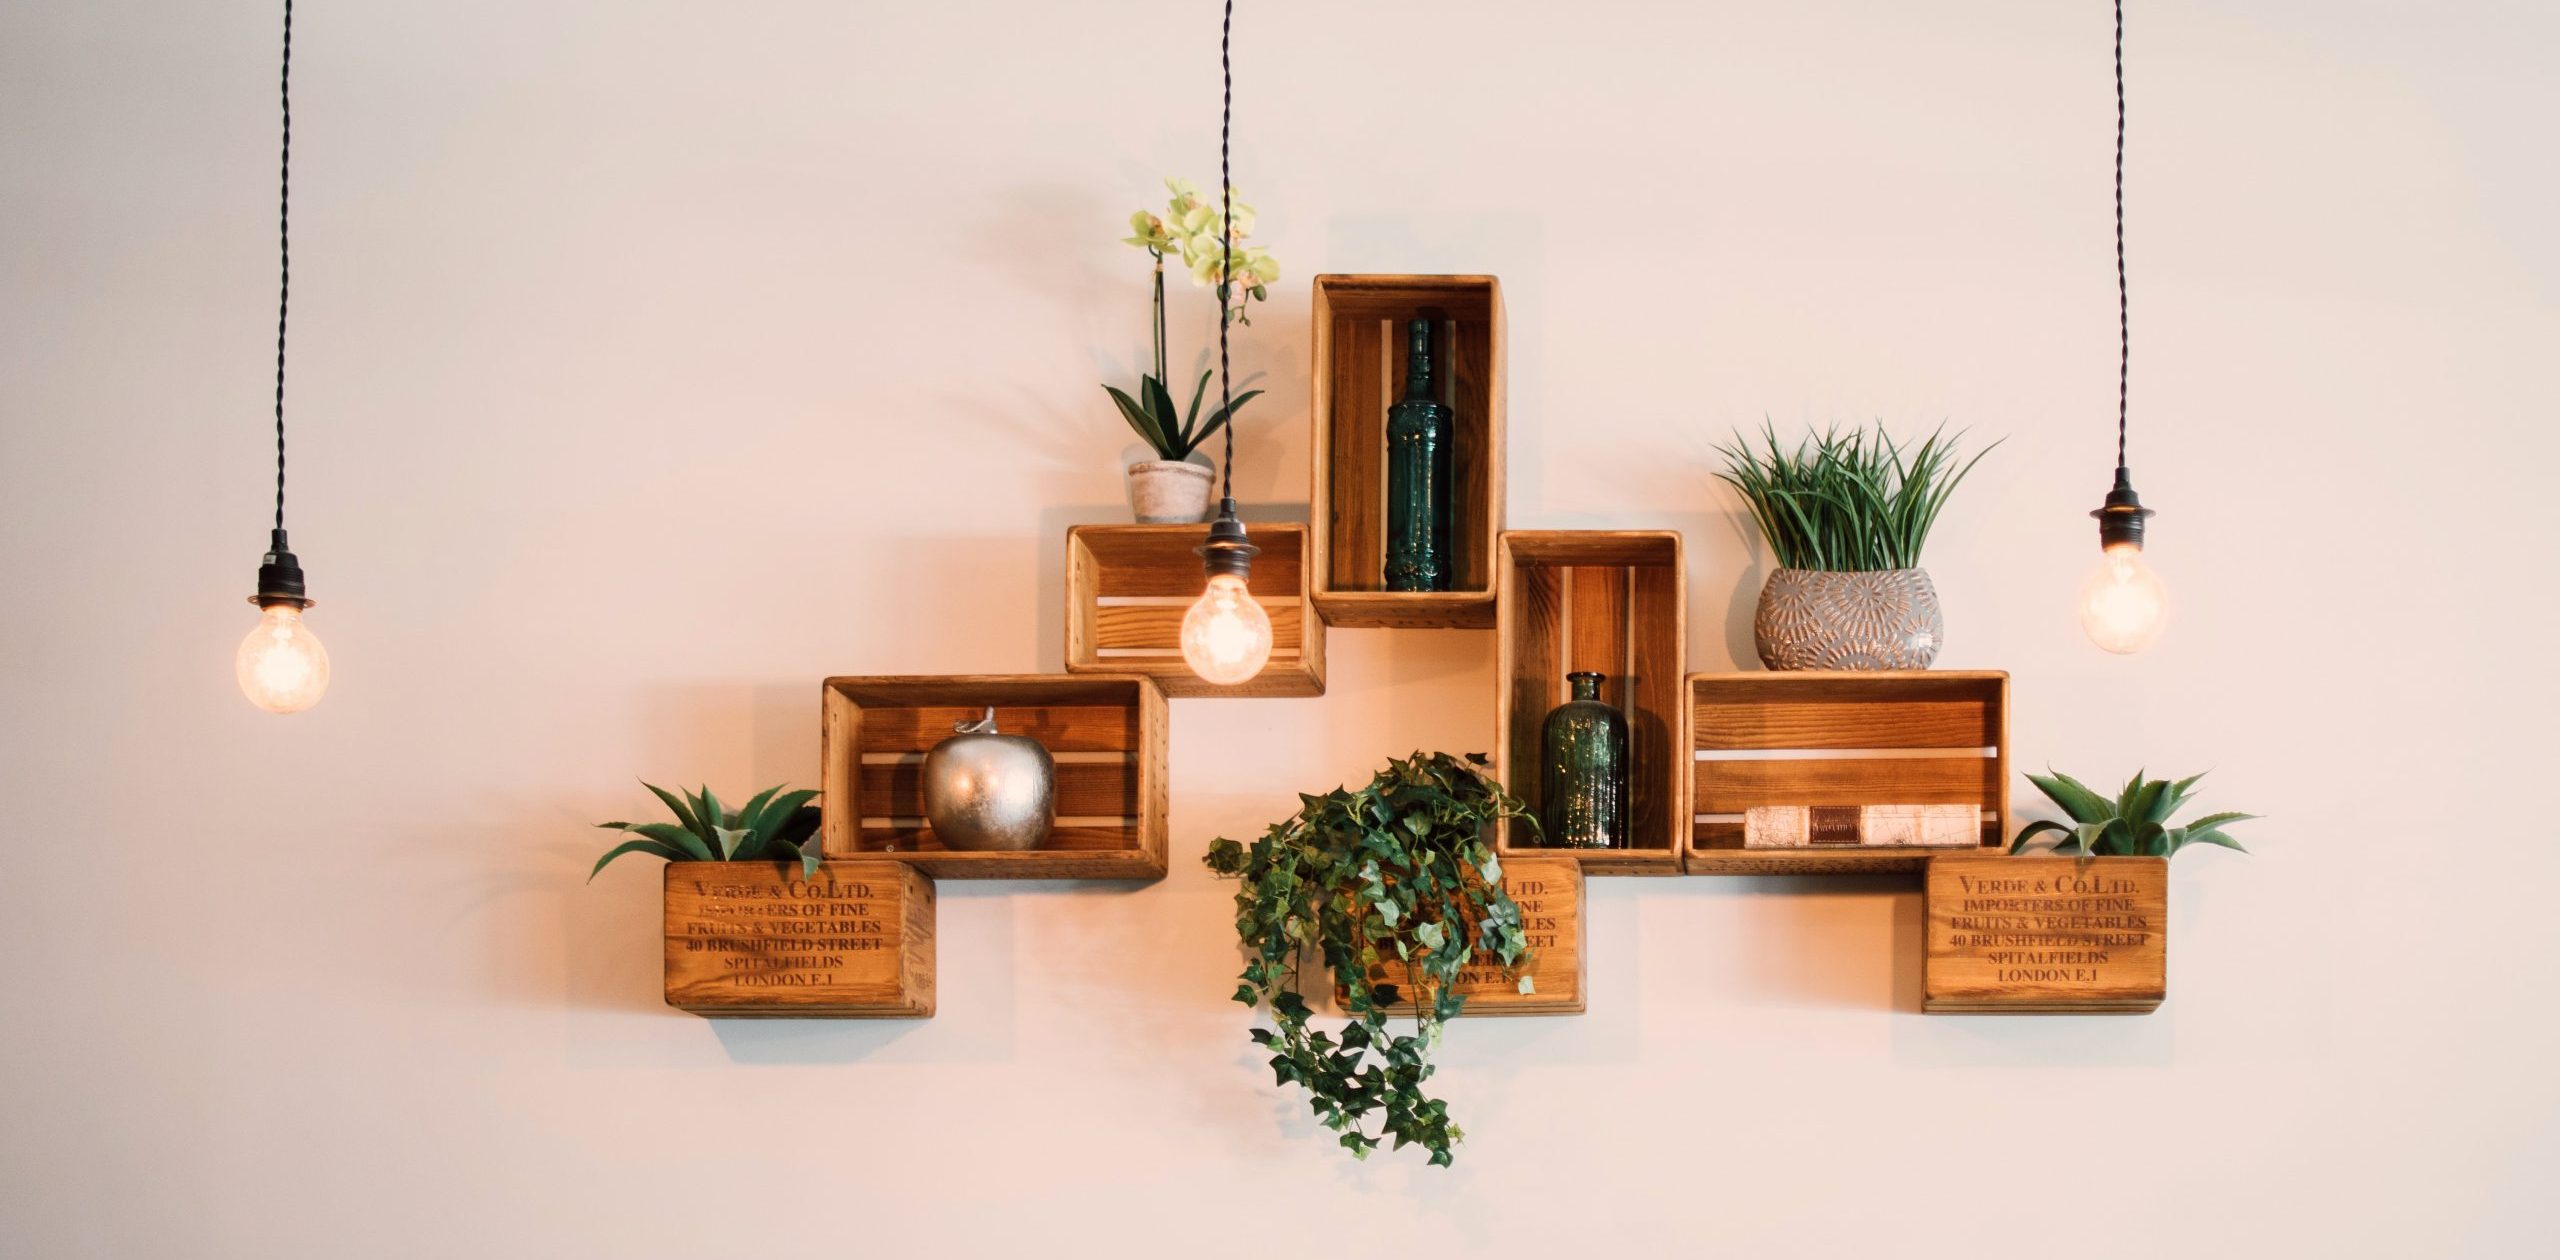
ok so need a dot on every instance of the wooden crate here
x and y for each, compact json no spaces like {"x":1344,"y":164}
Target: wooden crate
{"x":854,"y":941}
{"x":1129,"y":585}
{"x":2047,"y":934}
{"x":1825,"y":737}
{"x":1549,"y":890}
{"x":1359,"y":372}
{"x":1107,"y":733}
{"x":1607,"y":600}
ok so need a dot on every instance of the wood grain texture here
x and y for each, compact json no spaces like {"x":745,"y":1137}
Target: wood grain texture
{"x":2046,"y":934}
{"x":1157,"y":562}
{"x":1730,"y":787}
{"x":1552,"y":901}
{"x":855,"y":941}
{"x":1353,"y":377}
{"x":1907,"y":737}
{"x":1614,"y":601}
{"x":875,"y":728}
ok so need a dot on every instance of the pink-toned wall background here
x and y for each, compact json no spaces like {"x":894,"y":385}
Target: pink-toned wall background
{"x":653,"y":360}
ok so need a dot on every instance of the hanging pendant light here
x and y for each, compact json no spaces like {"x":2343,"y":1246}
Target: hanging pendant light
{"x":281,"y":666}
{"x":1226,"y":636}
{"x":2123,"y":605}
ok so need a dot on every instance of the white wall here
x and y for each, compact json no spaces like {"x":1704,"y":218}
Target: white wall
{"x":654,"y":360}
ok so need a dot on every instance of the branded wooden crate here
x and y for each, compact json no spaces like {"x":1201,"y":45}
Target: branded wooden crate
{"x":854,"y":940}
{"x":1359,"y":372}
{"x":1549,"y":891}
{"x":1129,"y":585}
{"x":1106,"y":732}
{"x":1615,"y":602}
{"x":2047,"y":934}
{"x":1900,"y":737}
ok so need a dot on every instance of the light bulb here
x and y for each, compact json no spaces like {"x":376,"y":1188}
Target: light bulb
{"x":281,"y":666}
{"x":2123,"y":606}
{"x":1226,"y":637}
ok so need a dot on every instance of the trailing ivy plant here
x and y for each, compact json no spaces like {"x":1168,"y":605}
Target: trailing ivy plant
{"x":2135,"y":824}
{"x":773,"y":826}
{"x":1394,"y":879}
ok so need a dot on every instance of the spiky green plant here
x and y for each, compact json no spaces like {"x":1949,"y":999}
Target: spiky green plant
{"x":2135,"y":824}
{"x":773,"y":826}
{"x":1846,"y":502}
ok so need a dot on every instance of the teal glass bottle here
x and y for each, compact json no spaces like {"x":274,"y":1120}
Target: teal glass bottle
{"x":1583,"y":776}
{"x":1420,"y":438}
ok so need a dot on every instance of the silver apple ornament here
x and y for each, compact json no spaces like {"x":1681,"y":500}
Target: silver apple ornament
{"x":986,"y":791}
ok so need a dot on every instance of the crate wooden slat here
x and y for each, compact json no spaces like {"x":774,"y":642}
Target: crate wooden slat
{"x":1614,"y":601}
{"x":1128,"y":587}
{"x":1107,"y":732}
{"x":854,"y":941}
{"x":2051,"y":935}
{"x":1359,"y":371}
{"x":1825,"y":737}
{"x":1551,"y":895}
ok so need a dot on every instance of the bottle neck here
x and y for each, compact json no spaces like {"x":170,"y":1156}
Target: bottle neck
{"x":1586,"y":686}
{"x":1417,"y":362}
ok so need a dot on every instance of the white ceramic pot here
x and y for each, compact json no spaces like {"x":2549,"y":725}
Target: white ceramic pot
{"x":1170,"y":492}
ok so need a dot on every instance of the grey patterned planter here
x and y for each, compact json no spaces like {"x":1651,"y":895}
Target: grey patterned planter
{"x":1812,"y":619}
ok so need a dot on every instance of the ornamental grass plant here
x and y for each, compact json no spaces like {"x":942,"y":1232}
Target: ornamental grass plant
{"x":1846,"y":502}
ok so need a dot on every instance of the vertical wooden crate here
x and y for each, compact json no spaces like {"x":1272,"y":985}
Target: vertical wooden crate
{"x":1616,"y":602}
{"x":854,"y":941}
{"x":1550,"y":893}
{"x":2053,"y":935}
{"x":1129,"y":585}
{"x":1359,"y":372}
{"x":1107,"y":733}
{"x":1827,"y":737}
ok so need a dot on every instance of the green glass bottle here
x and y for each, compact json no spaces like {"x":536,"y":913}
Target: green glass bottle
{"x":1583,"y":780}
{"x":1420,"y":437}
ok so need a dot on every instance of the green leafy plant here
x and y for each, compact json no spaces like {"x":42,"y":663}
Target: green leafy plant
{"x":2135,"y":824}
{"x":1846,"y":502}
{"x":773,"y":826}
{"x":1192,"y":227}
{"x":1393,"y":879}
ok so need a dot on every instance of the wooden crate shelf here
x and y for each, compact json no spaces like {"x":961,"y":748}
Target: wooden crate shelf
{"x":1616,"y":602}
{"x":1107,"y":733}
{"x":1822,"y":737}
{"x":854,"y":941}
{"x":1129,"y":585}
{"x":1359,"y":372}
{"x":2054,"y":935}
{"x":1550,"y":893}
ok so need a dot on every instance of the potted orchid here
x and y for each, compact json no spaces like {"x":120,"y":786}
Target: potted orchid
{"x":1173,"y":488}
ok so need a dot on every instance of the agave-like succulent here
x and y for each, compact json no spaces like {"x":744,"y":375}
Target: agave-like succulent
{"x":774,"y":826}
{"x":2135,"y":824}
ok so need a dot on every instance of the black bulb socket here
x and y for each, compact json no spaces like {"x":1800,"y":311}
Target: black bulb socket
{"x":279,"y":576}
{"x":1227,"y":551}
{"x":2120,"y":522}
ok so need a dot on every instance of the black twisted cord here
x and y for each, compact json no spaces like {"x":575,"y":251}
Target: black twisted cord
{"x":2124,"y":312}
{"x":1226,"y":242}
{"x":284,"y":248}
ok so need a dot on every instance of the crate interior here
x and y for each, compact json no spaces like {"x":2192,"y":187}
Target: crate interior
{"x":1610,"y":603}
{"x":1898,"y":738}
{"x":1365,"y":373}
{"x":1131,"y":585}
{"x":880,"y":731}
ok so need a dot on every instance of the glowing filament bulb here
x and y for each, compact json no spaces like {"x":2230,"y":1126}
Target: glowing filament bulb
{"x":1226,"y":637}
{"x":2123,"y":606}
{"x":281,"y":666}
